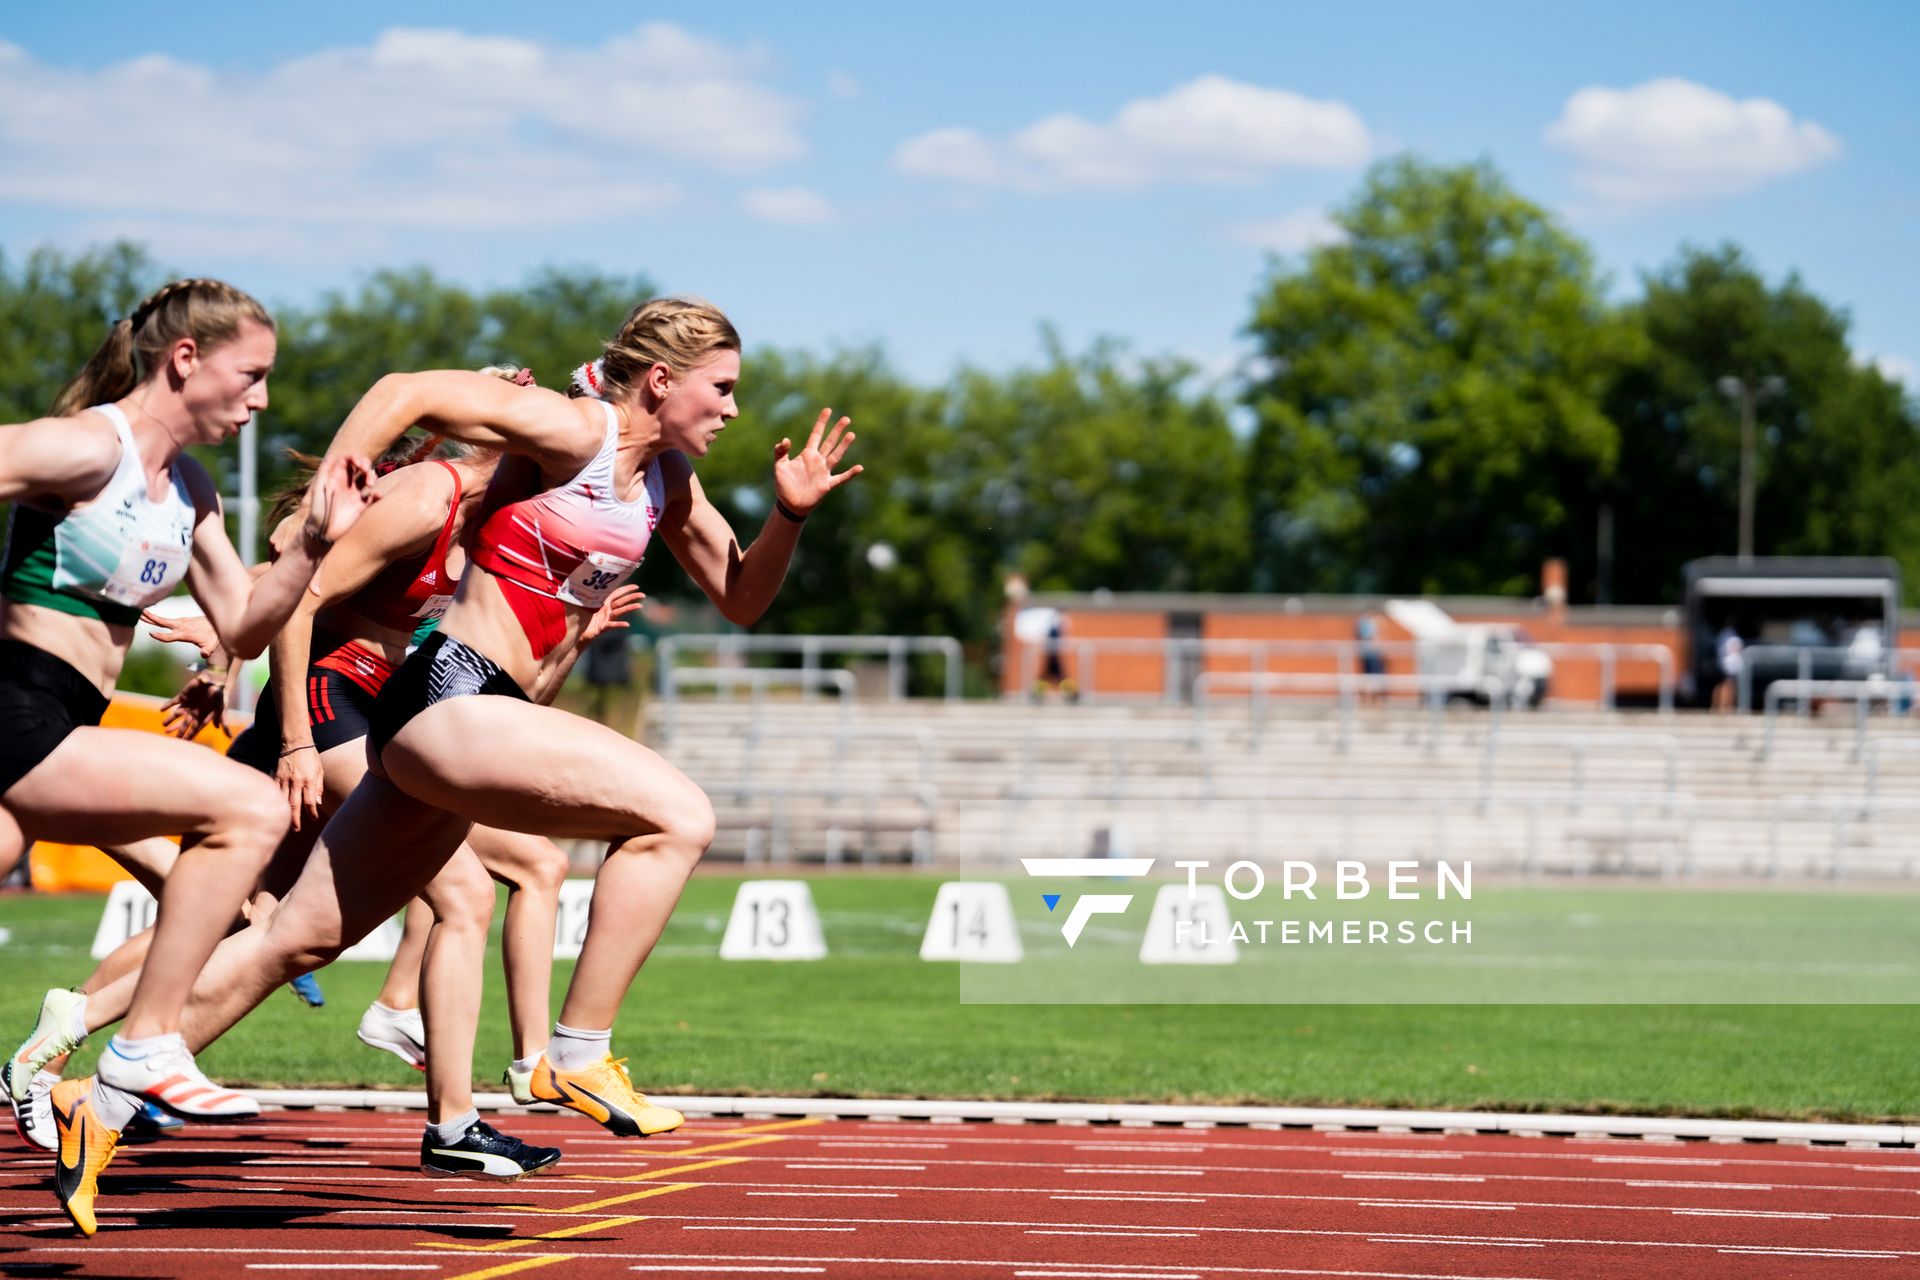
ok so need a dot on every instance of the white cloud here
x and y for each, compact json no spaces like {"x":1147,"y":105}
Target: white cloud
{"x":435,"y":130}
{"x":795,"y":206}
{"x":1295,"y":232}
{"x":1672,"y":141}
{"x":1211,"y":130}
{"x":842,"y":86}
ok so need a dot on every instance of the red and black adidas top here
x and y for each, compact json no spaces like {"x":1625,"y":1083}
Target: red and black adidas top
{"x":418,"y":588}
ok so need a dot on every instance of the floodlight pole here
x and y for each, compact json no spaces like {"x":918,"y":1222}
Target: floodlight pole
{"x":1749,"y":393}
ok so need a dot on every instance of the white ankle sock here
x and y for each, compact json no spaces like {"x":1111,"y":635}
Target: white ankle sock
{"x":453,"y":1130}
{"x":115,"y":1107}
{"x":574,"y":1050}
{"x":77,"y":1020}
{"x":137,"y":1049}
{"x":524,"y":1064}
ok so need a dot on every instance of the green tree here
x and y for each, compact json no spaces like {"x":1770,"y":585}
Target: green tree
{"x":1101,"y":471}
{"x":399,"y":321}
{"x":1087,"y":471}
{"x":55,"y":310}
{"x":1427,"y":382}
{"x":1838,"y":470}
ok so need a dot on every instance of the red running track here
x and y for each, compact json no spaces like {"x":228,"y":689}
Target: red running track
{"x":338,"y":1195}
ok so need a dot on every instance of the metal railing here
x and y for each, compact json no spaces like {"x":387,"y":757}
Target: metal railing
{"x":1118,"y":742}
{"x":897,"y":649}
{"x":1581,"y":746}
{"x":1166,"y":811}
{"x":1862,"y":693}
{"x":1177,"y":653}
{"x":1884,"y":662}
{"x":771,"y":840}
{"x":758,"y":679}
{"x":1875,"y":747}
{"x":1346,"y":687}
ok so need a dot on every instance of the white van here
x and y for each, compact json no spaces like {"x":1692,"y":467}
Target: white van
{"x":1479,"y":661}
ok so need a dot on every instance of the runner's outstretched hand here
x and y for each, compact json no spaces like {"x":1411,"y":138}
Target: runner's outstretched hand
{"x":801,"y":480}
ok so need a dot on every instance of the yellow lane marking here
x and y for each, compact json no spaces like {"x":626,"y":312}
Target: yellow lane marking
{"x":771,"y":1125}
{"x":561,"y":1233}
{"x":610,"y":1201}
{"x":581,"y":1229}
{"x":651,"y":1174}
{"x":710,"y":1148}
{"x":508,"y":1268}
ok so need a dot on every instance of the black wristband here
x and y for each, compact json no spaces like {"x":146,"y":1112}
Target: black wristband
{"x":788,"y":512}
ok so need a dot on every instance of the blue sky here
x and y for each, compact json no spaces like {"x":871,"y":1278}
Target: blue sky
{"x":943,"y":182}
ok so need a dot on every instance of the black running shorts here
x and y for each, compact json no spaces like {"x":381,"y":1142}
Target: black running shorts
{"x":42,"y":700}
{"x":440,"y":669}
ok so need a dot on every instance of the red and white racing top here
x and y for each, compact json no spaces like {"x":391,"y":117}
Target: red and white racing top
{"x":570,"y":545}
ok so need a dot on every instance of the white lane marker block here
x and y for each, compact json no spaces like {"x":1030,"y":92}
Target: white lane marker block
{"x":378,"y":945}
{"x":773,"y":920}
{"x":1189,"y":927}
{"x":972,"y":922}
{"x":570,"y":923}
{"x":129,"y":909}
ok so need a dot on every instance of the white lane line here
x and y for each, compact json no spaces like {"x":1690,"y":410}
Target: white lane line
{"x":1400,"y":1155}
{"x":485,"y":1190}
{"x":1437,"y":1204}
{"x":1412,"y":1177}
{"x":1690,"y":1161}
{"x":1372,"y":1236}
{"x":328,"y":1179}
{"x":1795,"y":1253}
{"x":756,"y":1228}
{"x":303,"y":1164}
{"x":1134,"y":1171}
{"x":1453,"y":1240}
{"x":866,"y":1168}
{"x":882,"y":1143}
{"x":1710,"y":1186}
{"x":758,"y":1271}
{"x":837,"y":1195}
{"x":1185,"y":1148}
{"x":1111,"y":1275}
{"x":343,"y":1266}
{"x":1144,"y":1235}
{"x":1127,"y":1199}
{"x":1752,"y":1213}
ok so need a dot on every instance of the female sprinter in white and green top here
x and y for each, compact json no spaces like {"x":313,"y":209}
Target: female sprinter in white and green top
{"x":109,"y":517}
{"x":461,"y":733}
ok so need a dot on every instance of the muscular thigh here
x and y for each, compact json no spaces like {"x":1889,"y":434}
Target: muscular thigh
{"x":511,"y":764}
{"x":373,"y":856}
{"x":116,"y":786}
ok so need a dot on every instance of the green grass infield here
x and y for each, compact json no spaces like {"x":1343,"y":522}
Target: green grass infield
{"x":873,"y":1020}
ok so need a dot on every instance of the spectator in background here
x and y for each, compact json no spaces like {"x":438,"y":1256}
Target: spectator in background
{"x":1047,"y":628}
{"x":1373,"y":662}
{"x":1730,"y":652}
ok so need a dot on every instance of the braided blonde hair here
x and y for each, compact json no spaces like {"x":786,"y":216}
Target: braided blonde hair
{"x":677,"y":332}
{"x":208,"y":311}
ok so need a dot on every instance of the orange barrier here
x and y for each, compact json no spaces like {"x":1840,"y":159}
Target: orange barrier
{"x":79,"y":868}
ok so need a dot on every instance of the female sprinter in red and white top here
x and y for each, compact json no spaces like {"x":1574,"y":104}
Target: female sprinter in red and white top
{"x":462,"y":732}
